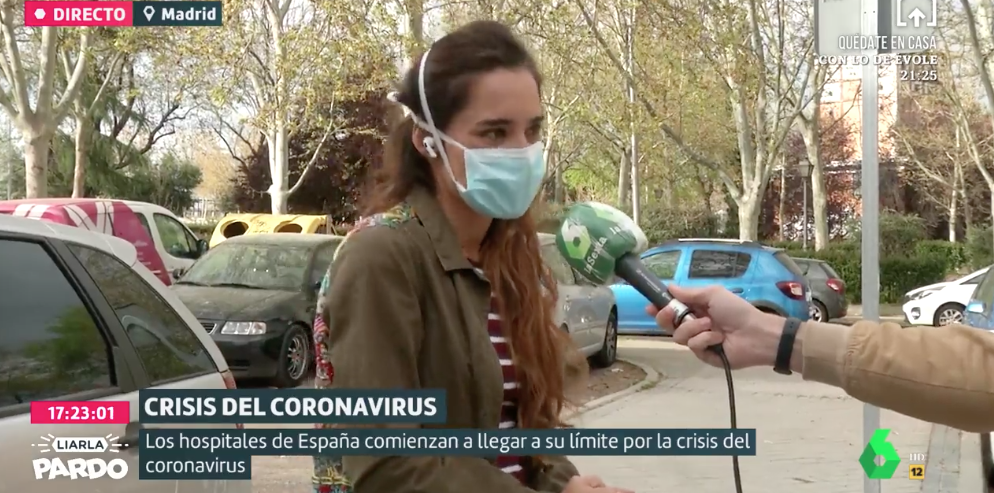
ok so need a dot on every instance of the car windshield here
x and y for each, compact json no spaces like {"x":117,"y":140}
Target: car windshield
{"x":251,"y":266}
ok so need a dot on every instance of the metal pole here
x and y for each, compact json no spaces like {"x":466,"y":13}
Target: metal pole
{"x":870,"y":178}
{"x":804,"y":210}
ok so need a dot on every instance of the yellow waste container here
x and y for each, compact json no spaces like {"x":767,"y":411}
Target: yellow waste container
{"x":240,"y":224}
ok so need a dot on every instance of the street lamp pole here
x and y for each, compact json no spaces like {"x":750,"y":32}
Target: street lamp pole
{"x":805,"y":168}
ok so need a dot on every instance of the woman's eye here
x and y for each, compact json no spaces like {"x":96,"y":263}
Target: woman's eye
{"x":495,"y":135}
{"x":534,"y":134}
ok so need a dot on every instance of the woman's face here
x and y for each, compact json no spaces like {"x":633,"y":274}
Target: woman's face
{"x":503,"y":109}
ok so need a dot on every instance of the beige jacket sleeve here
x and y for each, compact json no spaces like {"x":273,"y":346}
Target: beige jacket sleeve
{"x":941,"y":375}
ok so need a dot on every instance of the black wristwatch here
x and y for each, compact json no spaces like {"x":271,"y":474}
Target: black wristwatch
{"x":786,"y":348}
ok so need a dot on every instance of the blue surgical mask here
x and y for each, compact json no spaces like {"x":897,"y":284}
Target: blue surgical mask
{"x":500,"y":183}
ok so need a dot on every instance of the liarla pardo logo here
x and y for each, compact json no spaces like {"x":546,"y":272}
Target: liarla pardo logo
{"x":78,"y":468}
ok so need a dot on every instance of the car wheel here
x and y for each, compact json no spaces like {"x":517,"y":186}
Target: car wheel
{"x":295,"y":358}
{"x":817,"y":311}
{"x":950,"y":313}
{"x":609,"y":350}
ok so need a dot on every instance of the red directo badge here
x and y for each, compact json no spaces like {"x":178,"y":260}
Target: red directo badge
{"x":77,"y":14}
{"x":71,"y":412}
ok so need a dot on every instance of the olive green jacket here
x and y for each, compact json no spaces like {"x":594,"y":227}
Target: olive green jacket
{"x":405,"y":310}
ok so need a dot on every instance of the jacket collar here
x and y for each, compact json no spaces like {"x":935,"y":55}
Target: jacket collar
{"x":443,"y":236}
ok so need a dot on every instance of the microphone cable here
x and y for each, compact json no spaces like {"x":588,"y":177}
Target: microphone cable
{"x":736,"y":473}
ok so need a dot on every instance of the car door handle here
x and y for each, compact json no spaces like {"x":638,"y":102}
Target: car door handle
{"x":737,"y":290}
{"x":131,"y":435}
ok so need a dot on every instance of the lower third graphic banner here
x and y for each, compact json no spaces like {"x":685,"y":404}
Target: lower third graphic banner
{"x":224,"y":454}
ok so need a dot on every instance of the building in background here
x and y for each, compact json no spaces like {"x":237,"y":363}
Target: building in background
{"x":842,"y":98}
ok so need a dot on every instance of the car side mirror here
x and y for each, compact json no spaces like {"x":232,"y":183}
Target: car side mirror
{"x":202,"y":247}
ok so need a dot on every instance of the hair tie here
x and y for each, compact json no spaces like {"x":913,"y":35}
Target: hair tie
{"x":394,"y":97}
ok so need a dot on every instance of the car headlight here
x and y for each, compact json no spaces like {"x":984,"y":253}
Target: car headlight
{"x":244,"y":328}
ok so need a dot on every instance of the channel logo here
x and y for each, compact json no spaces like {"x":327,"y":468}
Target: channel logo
{"x":78,"y":468}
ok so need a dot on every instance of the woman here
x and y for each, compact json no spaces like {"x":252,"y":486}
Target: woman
{"x":441,"y":285}
{"x":942,"y":375}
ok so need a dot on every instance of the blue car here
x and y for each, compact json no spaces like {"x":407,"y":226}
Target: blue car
{"x":764,"y":276}
{"x":978,"y":310}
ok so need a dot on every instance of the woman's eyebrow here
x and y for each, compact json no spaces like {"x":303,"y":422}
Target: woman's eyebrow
{"x":501,"y":122}
{"x":494,"y":122}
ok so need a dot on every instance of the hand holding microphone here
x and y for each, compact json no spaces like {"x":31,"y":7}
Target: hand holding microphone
{"x":599,"y":242}
{"x":747,"y":335}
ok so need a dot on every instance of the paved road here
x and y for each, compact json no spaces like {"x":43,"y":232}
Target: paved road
{"x":809,"y":435}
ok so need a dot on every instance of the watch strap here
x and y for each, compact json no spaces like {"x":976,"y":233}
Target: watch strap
{"x":785,"y":349}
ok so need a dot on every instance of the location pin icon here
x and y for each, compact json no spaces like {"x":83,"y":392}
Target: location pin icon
{"x":149,"y":11}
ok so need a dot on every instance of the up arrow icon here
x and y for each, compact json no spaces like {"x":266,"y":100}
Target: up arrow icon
{"x":916,"y":16}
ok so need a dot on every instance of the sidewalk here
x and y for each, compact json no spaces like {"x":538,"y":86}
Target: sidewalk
{"x":809,"y":435}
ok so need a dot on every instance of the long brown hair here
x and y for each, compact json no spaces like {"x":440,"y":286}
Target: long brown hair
{"x":510,"y":252}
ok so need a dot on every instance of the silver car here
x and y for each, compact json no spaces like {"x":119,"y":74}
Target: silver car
{"x":586,"y":311}
{"x":84,"y":320}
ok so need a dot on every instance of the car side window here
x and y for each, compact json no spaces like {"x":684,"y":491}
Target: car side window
{"x":322,"y":260}
{"x":558,"y":265}
{"x":718,"y":264}
{"x":974,"y":280}
{"x":166,"y":345}
{"x":985,"y":292}
{"x":144,"y":222}
{"x":50,"y":344}
{"x":175,"y":238}
{"x":663,"y":264}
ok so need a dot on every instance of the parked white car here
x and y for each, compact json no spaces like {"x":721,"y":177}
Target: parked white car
{"x":941,"y":303}
{"x":587,"y":312}
{"x":86,"y":321}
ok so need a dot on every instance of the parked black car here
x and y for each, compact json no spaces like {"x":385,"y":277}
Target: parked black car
{"x":255,"y":295}
{"x":828,"y":290}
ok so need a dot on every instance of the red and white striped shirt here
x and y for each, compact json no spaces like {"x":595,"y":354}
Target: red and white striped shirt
{"x":509,"y":408}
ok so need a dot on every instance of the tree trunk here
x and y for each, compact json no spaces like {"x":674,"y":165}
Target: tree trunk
{"x":953,"y":213}
{"x":36,"y":148}
{"x":749,"y":209}
{"x":819,"y":206}
{"x":782,"y":206}
{"x":279,"y":165}
{"x":960,"y":186}
{"x":811,"y":132}
{"x":82,"y":138}
{"x":992,"y":215}
{"x":624,"y":180}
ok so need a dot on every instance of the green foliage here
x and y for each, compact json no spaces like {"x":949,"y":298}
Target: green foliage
{"x":168,"y":182}
{"x":979,"y":247}
{"x":897,"y":231}
{"x":954,"y":254}
{"x":661,"y":224}
{"x":899,"y":273}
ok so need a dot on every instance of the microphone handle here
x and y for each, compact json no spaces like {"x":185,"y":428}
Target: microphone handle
{"x":630,"y":268}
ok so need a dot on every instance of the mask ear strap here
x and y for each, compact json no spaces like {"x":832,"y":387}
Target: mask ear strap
{"x":424,"y":96}
{"x":429,"y":123}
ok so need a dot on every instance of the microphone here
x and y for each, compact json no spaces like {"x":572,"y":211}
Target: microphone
{"x":599,"y":241}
